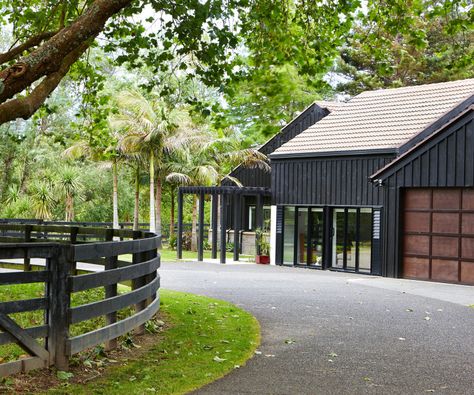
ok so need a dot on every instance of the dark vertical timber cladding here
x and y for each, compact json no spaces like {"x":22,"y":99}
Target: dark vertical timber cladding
{"x":279,"y":236}
{"x":447,"y":160}
{"x":332,"y":181}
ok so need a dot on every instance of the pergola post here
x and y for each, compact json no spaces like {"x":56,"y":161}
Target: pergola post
{"x":215,"y":204}
{"x":259,"y":212}
{"x":223,"y":250}
{"x":237,"y":215}
{"x":179,"y":240}
{"x":201,"y":228}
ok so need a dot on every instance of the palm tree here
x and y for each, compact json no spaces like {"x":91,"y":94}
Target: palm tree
{"x":109,"y":156}
{"x":70,"y":187}
{"x":42,"y":199}
{"x":151,"y":131}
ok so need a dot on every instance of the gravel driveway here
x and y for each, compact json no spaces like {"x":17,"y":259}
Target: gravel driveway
{"x":338,"y":333}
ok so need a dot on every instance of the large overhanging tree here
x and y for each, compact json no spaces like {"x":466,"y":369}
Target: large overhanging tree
{"x":192,"y":36}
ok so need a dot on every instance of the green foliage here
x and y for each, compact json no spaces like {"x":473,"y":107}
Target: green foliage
{"x":261,"y":243}
{"x":398,"y":43}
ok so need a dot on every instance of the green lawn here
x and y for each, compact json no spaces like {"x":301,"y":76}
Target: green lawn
{"x":203,"y":340}
{"x":207,"y":339}
{"x":168,"y":255}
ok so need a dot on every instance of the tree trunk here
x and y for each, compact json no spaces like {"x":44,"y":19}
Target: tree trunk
{"x":137,"y":199}
{"x":158,"y":196}
{"x":172,"y":212}
{"x":115,"y":221}
{"x":194,"y":225}
{"x":7,"y":172}
{"x":69,"y":208}
{"x":152,"y":193}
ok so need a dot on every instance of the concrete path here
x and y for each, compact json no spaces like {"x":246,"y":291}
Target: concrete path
{"x":337,"y":333}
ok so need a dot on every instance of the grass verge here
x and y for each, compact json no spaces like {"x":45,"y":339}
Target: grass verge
{"x":201,"y":340}
{"x":207,"y":338}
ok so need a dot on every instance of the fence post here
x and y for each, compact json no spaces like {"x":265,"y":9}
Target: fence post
{"x":26,"y":259}
{"x":110,"y":291}
{"x":73,"y":239}
{"x":138,"y":282}
{"x":59,"y":302}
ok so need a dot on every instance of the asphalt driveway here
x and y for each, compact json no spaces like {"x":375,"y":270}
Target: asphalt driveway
{"x":337,"y":333}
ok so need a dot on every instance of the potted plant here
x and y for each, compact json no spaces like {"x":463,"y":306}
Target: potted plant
{"x":262,"y":247}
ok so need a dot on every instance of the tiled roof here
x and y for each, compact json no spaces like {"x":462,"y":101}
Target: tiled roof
{"x":330,"y":105}
{"x":380,"y":119}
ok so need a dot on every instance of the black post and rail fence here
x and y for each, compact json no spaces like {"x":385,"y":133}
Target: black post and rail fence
{"x":63,"y":249}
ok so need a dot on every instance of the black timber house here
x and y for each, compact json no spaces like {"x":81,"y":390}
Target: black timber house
{"x":383,"y":185}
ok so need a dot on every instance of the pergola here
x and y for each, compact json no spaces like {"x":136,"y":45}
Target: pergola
{"x":232,"y":194}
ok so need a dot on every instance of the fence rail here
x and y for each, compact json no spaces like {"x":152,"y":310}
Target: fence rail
{"x":144,"y":226}
{"x":64,"y":248}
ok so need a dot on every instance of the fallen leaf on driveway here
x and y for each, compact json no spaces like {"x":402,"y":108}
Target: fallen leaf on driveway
{"x":409,"y":310}
{"x":289,"y":341}
{"x":427,"y":318}
{"x":257,"y":352}
{"x":332,"y":354}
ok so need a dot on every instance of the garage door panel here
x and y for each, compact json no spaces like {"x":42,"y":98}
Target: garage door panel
{"x":416,"y":268}
{"x":445,"y":223}
{"x":417,"y":222}
{"x":468,"y":247}
{"x":467,"y":272}
{"x":444,"y":270}
{"x":418,"y":245}
{"x":417,"y":198}
{"x":445,"y":246}
{"x":468,"y":223}
{"x":468,"y":199}
{"x":446,"y":199}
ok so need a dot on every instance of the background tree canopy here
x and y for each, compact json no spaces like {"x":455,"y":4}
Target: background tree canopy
{"x":237,"y":70}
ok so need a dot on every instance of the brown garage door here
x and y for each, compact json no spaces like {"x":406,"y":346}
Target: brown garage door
{"x":438,"y":234}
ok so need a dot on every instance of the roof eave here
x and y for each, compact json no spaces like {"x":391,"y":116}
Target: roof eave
{"x":325,"y":154}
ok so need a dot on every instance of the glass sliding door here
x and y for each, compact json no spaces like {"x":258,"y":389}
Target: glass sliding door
{"x":365,"y":239}
{"x":338,"y":245}
{"x":302,"y":236}
{"x":315,"y":232}
{"x":352,"y":239}
{"x":289,"y":236}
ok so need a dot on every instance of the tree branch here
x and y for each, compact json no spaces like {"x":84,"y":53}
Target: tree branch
{"x":47,"y":58}
{"x":30,"y":43}
{"x":25,"y":107}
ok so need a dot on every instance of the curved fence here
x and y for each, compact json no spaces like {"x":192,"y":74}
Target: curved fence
{"x":62,"y":257}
